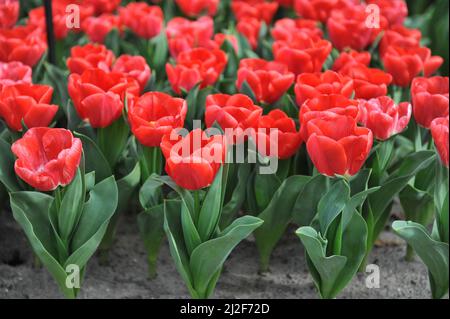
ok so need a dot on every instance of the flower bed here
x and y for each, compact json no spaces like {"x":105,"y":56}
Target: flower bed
{"x":211,"y":122}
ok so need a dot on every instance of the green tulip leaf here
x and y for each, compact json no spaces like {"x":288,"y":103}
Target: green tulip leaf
{"x":332,"y":204}
{"x":95,"y":160}
{"x":208,"y":258}
{"x":433,"y":253}
{"x":97,"y":212}
{"x":30,"y":210}
{"x":7,"y":175}
{"x":112,"y":141}
{"x":211,"y":208}
{"x":237,"y":198}
{"x":151,"y":228}
{"x":150,"y":193}
{"x":305,"y":208}
{"x":331,"y":274}
{"x":178,"y":250}
{"x":71,"y":207}
{"x":277,"y":217}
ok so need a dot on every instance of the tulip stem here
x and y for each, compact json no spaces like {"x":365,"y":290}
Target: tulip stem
{"x":196,"y":204}
{"x":151,"y":162}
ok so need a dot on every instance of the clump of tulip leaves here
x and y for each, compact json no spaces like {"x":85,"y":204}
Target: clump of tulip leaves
{"x":199,"y":246}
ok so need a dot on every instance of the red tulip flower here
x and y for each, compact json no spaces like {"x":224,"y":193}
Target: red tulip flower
{"x":22,"y":43}
{"x":26,"y":102}
{"x":97,"y":28}
{"x":155,"y":114}
{"x":286,"y":140}
{"x":320,"y":10}
{"x":9,"y":13}
{"x":235,"y":112}
{"x":368,"y":83}
{"x":194,"y":160}
{"x":268,"y":80}
{"x":144,"y":20}
{"x":348,"y":28}
{"x":429,"y":99}
{"x":336,"y":145}
{"x":400,"y":36}
{"x":384,"y":117}
{"x":285,"y":29}
{"x":14,"y":73}
{"x":47,"y":157}
{"x":349,"y":59}
{"x":135,"y":67}
{"x":303,"y":53}
{"x":439,"y":131}
{"x":36,"y":19}
{"x":196,"y":66}
{"x":220,"y":38}
{"x":258,"y":9}
{"x":322,"y":106}
{"x":404,"y":64}
{"x":103,"y":6}
{"x":311,"y":85}
{"x":89,"y":56}
{"x":194,"y":8}
{"x":184,"y":35}
{"x":99,"y":96}
{"x":395,"y":11}
{"x":286,"y":3}
{"x":250,"y":28}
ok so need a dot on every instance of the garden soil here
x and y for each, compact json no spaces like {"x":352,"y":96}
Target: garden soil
{"x":126,"y":276}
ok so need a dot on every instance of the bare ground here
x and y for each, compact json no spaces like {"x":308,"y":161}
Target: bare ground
{"x":126,"y":277}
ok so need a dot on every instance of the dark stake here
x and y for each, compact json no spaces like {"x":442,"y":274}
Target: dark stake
{"x":50,"y":33}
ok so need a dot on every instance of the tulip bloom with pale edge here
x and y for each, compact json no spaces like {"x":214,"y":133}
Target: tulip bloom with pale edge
{"x":29,"y":103}
{"x":429,"y":99}
{"x":47,"y":157}
{"x":14,"y":73}
{"x":9,"y":13}
{"x":99,"y":96}
{"x":155,"y":114}
{"x":194,"y":160}
{"x":22,"y":43}
{"x":268,"y":80}
{"x":198,"y":66}
{"x":144,"y":20}
{"x":135,"y":67}
{"x":439,"y":131}
{"x":285,"y":136}
{"x":384,"y":117}
{"x":311,"y":85}
{"x":89,"y":56}
{"x":193,"y":8}
{"x":337,"y":146}
{"x":232,"y":112}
